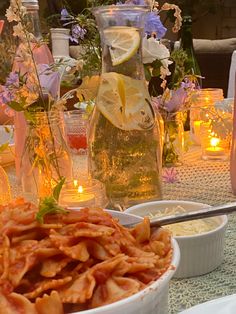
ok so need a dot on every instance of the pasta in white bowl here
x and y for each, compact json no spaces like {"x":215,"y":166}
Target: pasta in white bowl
{"x":82,"y":261}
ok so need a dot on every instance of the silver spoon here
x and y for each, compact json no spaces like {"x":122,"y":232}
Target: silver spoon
{"x":198,"y":214}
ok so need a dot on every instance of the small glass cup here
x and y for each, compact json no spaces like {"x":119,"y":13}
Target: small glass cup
{"x":76,"y":126}
{"x":215,"y":130}
{"x":205,"y":98}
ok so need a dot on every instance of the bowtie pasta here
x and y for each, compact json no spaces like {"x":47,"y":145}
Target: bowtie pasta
{"x":74,"y":261}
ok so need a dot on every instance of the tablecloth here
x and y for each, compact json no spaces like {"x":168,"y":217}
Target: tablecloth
{"x":206,"y":182}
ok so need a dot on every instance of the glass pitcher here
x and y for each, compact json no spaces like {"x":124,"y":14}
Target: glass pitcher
{"x":124,"y":137}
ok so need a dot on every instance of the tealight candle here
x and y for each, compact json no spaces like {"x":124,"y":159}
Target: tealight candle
{"x":76,"y":198}
{"x":214,"y":150}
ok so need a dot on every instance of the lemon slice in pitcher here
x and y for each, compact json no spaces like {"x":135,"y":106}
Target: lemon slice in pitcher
{"x":124,"y":101}
{"x":123,"y":43}
{"x":111,"y":97}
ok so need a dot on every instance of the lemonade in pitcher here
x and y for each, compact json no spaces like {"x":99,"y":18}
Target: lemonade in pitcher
{"x":124,"y":137}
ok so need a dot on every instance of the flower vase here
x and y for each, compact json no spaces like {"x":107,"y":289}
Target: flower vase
{"x":124,"y":135}
{"x":5,"y":190}
{"x":45,"y":159}
{"x":173,"y":144}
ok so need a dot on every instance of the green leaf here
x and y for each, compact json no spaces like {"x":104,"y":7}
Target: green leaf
{"x":48,"y":206}
{"x":4,"y":147}
{"x":7,"y":129}
{"x":15,"y":106}
{"x":58,"y":187}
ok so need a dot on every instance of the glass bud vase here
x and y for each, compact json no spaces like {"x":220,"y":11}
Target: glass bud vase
{"x":45,"y":159}
{"x":124,"y":135}
{"x":173,"y":146}
{"x":5,"y":190}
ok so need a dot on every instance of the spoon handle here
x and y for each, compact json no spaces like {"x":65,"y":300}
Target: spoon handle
{"x":198,"y":214}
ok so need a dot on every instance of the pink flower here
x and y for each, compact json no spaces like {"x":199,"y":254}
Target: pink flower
{"x":170,"y":175}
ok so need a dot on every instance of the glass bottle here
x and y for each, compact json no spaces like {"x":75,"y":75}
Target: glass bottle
{"x":124,"y":137}
{"x":186,"y":43}
{"x":191,"y":65}
{"x":42,"y":55}
{"x":233,"y":148}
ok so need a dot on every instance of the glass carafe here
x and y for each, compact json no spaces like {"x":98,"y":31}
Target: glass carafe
{"x":124,"y":138}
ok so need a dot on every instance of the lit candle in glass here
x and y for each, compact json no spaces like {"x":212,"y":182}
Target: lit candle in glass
{"x":77,"y":197}
{"x":214,"y":149}
{"x":204,"y":100}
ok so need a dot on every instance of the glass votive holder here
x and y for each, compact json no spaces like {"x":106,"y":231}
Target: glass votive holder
{"x":5,"y":190}
{"x":213,"y":147}
{"x":203,"y":99}
{"x":83,"y":193}
{"x":76,"y":126}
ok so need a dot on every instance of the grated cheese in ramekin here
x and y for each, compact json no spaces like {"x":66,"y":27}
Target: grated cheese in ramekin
{"x":186,"y":228}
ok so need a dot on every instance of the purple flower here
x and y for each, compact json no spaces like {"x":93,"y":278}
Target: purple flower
{"x":65,"y":16}
{"x":13,"y":79}
{"x":5,"y":95}
{"x":156,"y":103}
{"x":170,"y":175}
{"x":136,"y":2}
{"x":154,"y":25}
{"x":77,"y":33}
{"x":175,"y":100}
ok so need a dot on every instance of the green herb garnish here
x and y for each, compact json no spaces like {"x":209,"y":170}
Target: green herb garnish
{"x":49,"y":205}
{"x":57,"y":189}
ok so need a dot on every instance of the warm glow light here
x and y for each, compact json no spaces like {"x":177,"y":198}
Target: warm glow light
{"x":75,"y":183}
{"x":80,"y":189}
{"x":214,"y":141}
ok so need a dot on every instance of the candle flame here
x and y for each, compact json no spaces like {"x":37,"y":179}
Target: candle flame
{"x":75,"y":183}
{"x":214,"y":141}
{"x":80,"y":189}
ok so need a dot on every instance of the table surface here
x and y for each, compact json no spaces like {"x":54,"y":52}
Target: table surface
{"x":206,"y":182}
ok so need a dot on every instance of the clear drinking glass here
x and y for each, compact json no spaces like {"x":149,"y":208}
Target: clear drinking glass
{"x":124,"y":137}
{"x":76,"y":126}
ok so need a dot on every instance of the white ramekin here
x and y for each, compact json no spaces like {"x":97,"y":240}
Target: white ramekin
{"x":201,"y":253}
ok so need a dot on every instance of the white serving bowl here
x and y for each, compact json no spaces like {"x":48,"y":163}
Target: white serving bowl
{"x":153,"y":299}
{"x":200,"y":253}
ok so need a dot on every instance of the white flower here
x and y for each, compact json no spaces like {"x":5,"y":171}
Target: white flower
{"x":154,"y":50}
{"x":11,"y":15}
{"x":18,"y":31}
